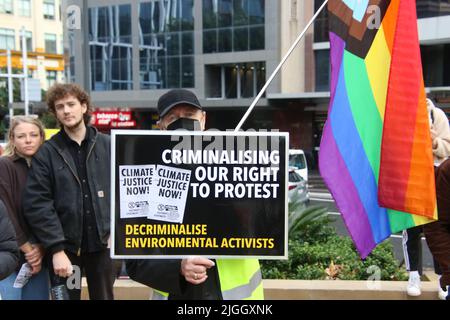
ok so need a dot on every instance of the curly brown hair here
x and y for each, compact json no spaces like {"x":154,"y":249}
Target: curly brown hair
{"x":59,"y":91}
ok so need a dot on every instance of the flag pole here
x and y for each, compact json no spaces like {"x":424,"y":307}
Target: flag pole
{"x":250,"y":109}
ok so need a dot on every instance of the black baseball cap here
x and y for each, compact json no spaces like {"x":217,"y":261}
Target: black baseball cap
{"x":176,"y":97}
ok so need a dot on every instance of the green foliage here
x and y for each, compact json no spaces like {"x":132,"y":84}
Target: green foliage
{"x":301,"y":217}
{"x":49,"y":120}
{"x":300,"y":222}
{"x":4,"y":97}
{"x":3,"y":112}
{"x":317,"y":252}
{"x":3,"y":131}
{"x":4,"y":88}
{"x":335,"y":258}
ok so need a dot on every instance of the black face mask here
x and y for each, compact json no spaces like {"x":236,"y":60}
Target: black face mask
{"x":185,"y":123}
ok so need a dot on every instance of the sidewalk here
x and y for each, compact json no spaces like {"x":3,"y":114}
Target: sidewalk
{"x":125,"y":289}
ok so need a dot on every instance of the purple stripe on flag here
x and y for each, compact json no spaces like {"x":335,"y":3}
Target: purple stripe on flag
{"x":336,"y":176}
{"x":337,"y":46}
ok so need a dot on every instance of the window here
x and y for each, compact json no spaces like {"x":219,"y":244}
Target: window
{"x":123,"y":19}
{"x":166,"y":44}
{"x":110,"y":48}
{"x":51,"y":77}
{"x":297,"y":160}
{"x":230,"y":87}
{"x":121,"y":70}
{"x":436,"y":65}
{"x":24,"y":8}
{"x":49,"y":9}
{"x":233,"y":25}
{"x":29,"y":39}
{"x":50,"y":43}
{"x":213,"y":87}
{"x":432,"y":8}
{"x":248,"y":80}
{"x":231,"y":81}
{"x":7,"y":39}
{"x":321,"y":23}
{"x":322,"y":63}
{"x":6,"y":6}
{"x":70,"y":67}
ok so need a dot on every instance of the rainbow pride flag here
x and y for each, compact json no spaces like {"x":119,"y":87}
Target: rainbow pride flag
{"x":375,"y":154}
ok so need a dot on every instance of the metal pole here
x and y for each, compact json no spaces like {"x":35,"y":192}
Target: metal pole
{"x":84,"y":34}
{"x":250,"y":109}
{"x":10,"y":86}
{"x":25,"y":70}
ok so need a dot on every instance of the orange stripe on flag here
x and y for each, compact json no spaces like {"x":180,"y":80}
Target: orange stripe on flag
{"x":390,"y":23}
{"x":420,"y":195}
{"x":406,"y":167}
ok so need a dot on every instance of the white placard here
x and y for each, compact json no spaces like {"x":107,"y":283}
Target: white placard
{"x":168,"y":201}
{"x":136,"y":186}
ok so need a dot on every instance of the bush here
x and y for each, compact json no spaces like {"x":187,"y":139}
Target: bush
{"x":317,"y":252}
{"x":48,"y":120}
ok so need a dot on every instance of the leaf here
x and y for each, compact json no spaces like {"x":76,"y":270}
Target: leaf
{"x":301,"y":216}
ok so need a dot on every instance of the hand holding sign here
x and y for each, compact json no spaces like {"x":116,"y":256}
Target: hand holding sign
{"x":194,"y":269}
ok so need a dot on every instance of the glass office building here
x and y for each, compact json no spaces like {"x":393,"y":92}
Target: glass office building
{"x":163,"y":35}
{"x":110,"y":48}
{"x":134,"y":51}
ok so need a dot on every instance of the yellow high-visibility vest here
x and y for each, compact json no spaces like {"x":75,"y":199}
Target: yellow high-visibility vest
{"x":240,"y":279}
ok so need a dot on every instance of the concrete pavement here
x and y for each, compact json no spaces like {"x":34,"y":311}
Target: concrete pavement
{"x":301,"y":290}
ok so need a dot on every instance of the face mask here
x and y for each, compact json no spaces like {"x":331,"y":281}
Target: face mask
{"x":185,"y":123}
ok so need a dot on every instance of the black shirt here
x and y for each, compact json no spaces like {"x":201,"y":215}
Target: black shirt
{"x":91,"y":239}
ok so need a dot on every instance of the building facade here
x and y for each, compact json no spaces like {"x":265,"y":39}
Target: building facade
{"x":128,"y":53}
{"x":137,"y":50}
{"x":41,"y":20}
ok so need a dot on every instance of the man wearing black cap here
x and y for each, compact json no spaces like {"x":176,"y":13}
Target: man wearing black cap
{"x":180,"y":108}
{"x":195,"y":277}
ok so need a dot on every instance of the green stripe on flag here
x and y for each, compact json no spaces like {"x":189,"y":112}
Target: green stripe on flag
{"x":369,"y":125}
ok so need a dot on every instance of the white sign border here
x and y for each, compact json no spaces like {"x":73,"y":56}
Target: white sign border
{"x":115,"y":133}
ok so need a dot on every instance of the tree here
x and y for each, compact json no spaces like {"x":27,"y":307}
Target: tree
{"x":4,"y":89}
{"x":4,"y":99}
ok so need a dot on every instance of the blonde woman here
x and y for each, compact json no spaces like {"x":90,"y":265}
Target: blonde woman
{"x":25,"y":136}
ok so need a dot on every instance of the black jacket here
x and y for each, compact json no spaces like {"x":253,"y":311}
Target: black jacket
{"x":164,"y":275}
{"x":53,"y":203}
{"x":9,"y":251}
{"x":437,"y":233}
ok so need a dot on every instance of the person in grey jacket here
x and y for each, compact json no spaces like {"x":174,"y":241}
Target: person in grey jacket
{"x":9,"y":251}
{"x":66,"y":200}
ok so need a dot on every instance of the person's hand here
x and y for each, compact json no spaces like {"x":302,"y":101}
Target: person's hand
{"x":62,"y":265}
{"x":194,"y":269}
{"x":433,"y":134}
{"x":34,"y":257}
{"x":434,"y":142}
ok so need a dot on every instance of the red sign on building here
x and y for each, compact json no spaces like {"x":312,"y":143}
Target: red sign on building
{"x":113,"y":119}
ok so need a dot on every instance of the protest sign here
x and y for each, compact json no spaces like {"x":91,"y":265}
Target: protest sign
{"x":135,"y":190}
{"x":214,"y":194}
